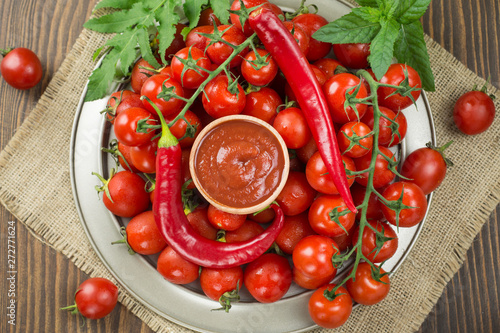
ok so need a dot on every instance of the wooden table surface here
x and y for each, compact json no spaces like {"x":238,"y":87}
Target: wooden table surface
{"x":46,"y":280}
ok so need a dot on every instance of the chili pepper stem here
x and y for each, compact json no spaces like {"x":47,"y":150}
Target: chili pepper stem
{"x":167,"y":139}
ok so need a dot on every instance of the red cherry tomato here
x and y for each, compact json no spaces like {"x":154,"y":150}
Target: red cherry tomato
{"x":262,"y":104}
{"x":140,"y":75}
{"x":223,"y":220}
{"x":382,"y":175}
{"x":153,"y":86}
{"x":328,"y":66}
{"x":330,"y":314}
{"x":143,"y":157}
{"x":132,"y":101}
{"x":310,"y":23}
{"x":267,"y":215}
{"x":248,"y":230}
{"x":199,"y":221}
{"x":335,"y":90}
{"x":126,"y":161}
{"x":114,"y":102}
{"x":143,"y":235}
{"x":318,"y":177}
{"x":293,"y":128}
{"x":268,"y":278}
{"x":297,"y":195}
{"x":176,"y":269}
{"x":180,"y":127}
{"x":309,"y":282}
{"x":216,"y":281}
{"x":313,"y":256}
{"x":177,"y":43}
{"x":96,"y":297}
{"x":369,"y":241}
{"x":218,"y":52}
{"x":299,"y":35}
{"x":126,"y":127}
{"x":352,"y":55}
{"x":218,"y":101}
{"x":354,"y":139}
{"x":306,"y":152}
{"x":320,"y":216}
{"x":366,"y":290}
{"x":295,"y":228}
{"x":413,"y":196}
{"x":390,"y":134}
{"x":474,"y":112}
{"x":21,"y":68}
{"x":344,"y":240}
{"x":207,"y":17}
{"x":395,"y":75}
{"x":258,"y":76}
{"x":190,"y":78}
{"x":194,"y":38}
{"x":235,"y":18}
{"x":373,"y":212}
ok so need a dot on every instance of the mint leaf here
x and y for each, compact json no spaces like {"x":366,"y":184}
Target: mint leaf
{"x":221,"y":10}
{"x":117,"y":4}
{"x":102,"y":77}
{"x":411,"y":10}
{"x":350,"y":28}
{"x":369,"y":14}
{"x":121,"y":20}
{"x":411,"y":49}
{"x":167,"y":18}
{"x":369,"y":3}
{"x":192,"y":10}
{"x":382,"y":47}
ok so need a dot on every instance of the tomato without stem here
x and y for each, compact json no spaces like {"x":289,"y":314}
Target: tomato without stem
{"x":176,"y":269}
{"x":373,"y":211}
{"x":353,"y":55}
{"x":364,"y":289}
{"x":294,"y":229}
{"x":143,"y":235}
{"x":262,"y":104}
{"x":297,"y":195}
{"x":223,"y":220}
{"x":143,"y":157}
{"x":248,"y":230}
{"x":474,"y":112}
{"x":21,"y":68}
{"x":96,"y":297}
{"x":194,"y":38}
{"x":140,"y":75}
{"x":293,"y":128}
{"x":330,"y":314}
{"x":313,"y":257}
{"x":328,"y":66}
{"x":198,"y":219}
{"x":311,"y":23}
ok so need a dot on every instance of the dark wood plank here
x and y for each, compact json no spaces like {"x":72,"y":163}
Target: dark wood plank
{"x":46,"y":280}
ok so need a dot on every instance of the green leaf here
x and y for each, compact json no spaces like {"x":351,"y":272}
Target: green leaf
{"x":125,"y":44}
{"x":192,"y":10}
{"x":102,"y":77}
{"x":411,"y":49}
{"x":409,"y":11}
{"x":369,"y":3}
{"x":121,"y":20}
{"x":221,"y":10}
{"x":382,"y":47}
{"x":368,"y":14}
{"x":167,"y":18}
{"x":350,"y":28}
{"x":145,"y":47}
{"x":117,"y":4}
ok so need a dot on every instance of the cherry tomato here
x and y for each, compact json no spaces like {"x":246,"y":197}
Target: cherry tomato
{"x":21,"y":68}
{"x":198,"y":219}
{"x":354,"y":139}
{"x":474,"y":112}
{"x":425,"y":167}
{"x":180,"y":127}
{"x":207,"y":17}
{"x":382,"y":175}
{"x":299,"y":35}
{"x":295,"y":228}
{"x":223,"y":220}
{"x":143,"y":157}
{"x":395,"y":75}
{"x":96,"y":297}
{"x":328,"y":66}
{"x":114,"y":101}
{"x":413,"y":196}
{"x":313,"y":256}
{"x":320,"y":215}
{"x":373,"y":212}
{"x":126,"y":125}
{"x":190,"y":78}
{"x":217,"y":281}
{"x":218,"y":101}
{"x":176,"y":269}
{"x":390,"y":134}
{"x":305,"y":153}
{"x":297,"y":195}
{"x":344,"y":240}
{"x":262,"y":104}
{"x":248,"y":230}
{"x":143,"y":235}
{"x":235,"y":18}
{"x":352,"y":55}
{"x":194,"y":38}
{"x":369,"y":241}
{"x":366,"y":290}
{"x":293,"y":128}
{"x":126,"y":161}
{"x":140,"y":75}
{"x":309,"y":282}
{"x":335,"y":90}
{"x":310,"y":23}
{"x":153,"y":86}
{"x":268,"y":278}
{"x":132,"y":101}
{"x":259,"y":76}
{"x":128,"y":196}
{"x":218,"y":52}
{"x":267,"y":215}
{"x":330,"y":314}
{"x":318,"y":177}
{"x":177,"y":43}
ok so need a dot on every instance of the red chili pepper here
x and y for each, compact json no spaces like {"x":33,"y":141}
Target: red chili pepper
{"x":294,"y":65}
{"x":173,"y":223}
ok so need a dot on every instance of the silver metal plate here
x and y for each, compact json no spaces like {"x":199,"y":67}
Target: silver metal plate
{"x":187,"y":305}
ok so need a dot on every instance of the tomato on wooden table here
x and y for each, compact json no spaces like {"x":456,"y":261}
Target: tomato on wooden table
{"x":21,"y":68}
{"x":474,"y":112}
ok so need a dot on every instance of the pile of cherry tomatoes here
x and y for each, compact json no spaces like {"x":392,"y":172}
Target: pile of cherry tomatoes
{"x":318,"y":224}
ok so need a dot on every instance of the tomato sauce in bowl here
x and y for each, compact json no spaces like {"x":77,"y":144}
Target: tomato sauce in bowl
{"x":239,"y":164}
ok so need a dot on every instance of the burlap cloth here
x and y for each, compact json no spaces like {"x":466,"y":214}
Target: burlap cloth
{"x":35,"y":187}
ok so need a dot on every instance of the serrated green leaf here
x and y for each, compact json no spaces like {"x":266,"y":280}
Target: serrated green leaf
{"x":125,"y":45}
{"x":409,"y":11}
{"x":192,"y":10}
{"x":167,"y":18}
{"x":102,"y":77}
{"x":145,"y":47}
{"x":382,"y":47}
{"x":369,"y":3}
{"x":117,"y":4}
{"x":368,"y":14}
{"x":350,"y":28}
{"x":121,"y":20}
{"x":221,"y":10}
{"x":411,"y":49}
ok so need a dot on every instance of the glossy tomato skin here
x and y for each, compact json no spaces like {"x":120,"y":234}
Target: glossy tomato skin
{"x":309,"y":282}
{"x":311,"y":23}
{"x":219,"y":102}
{"x":262,"y":104}
{"x":294,"y":229}
{"x":21,"y":68}
{"x":194,"y":38}
{"x":153,"y":86}
{"x":143,"y":235}
{"x":126,"y":126}
{"x":207,"y":17}
{"x":268,"y":278}
{"x":143,"y":157}
{"x":335,"y":89}
{"x":382,"y":175}
{"x":330,"y":314}
{"x":425,"y":167}
{"x":387,"y":137}
{"x":395,"y":75}
{"x":128,"y":194}
{"x":413,"y":196}
{"x":96,"y":297}
{"x":292,"y":125}
{"x":248,"y":230}
{"x":328,"y":66}
{"x":297,"y":195}
{"x":299,"y":35}
{"x":364,"y":289}
{"x":126,"y":161}
{"x":313,"y":256}
{"x":190,"y":79}
{"x":368,"y":241}
{"x":198,"y":219}
{"x":353,"y":55}
{"x":132,"y":101}
{"x":474,"y":112}
{"x":176,"y":269}
{"x":373,"y":211}
{"x":350,"y":142}
{"x":259,"y":77}
{"x":216,"y":281}
{"x":319,"y":215}
{"x":140,"y":75}
{"x":223,"y":220}
{"x":265,"y":216}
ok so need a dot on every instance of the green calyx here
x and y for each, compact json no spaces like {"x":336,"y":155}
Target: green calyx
{"x":167,"y":139}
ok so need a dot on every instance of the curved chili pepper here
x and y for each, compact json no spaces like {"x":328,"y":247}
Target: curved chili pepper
{"x":294,"y":65}
{"x":175,"y":228}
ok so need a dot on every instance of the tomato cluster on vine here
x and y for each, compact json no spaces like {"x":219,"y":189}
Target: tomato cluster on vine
{"x":320,"y":233}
